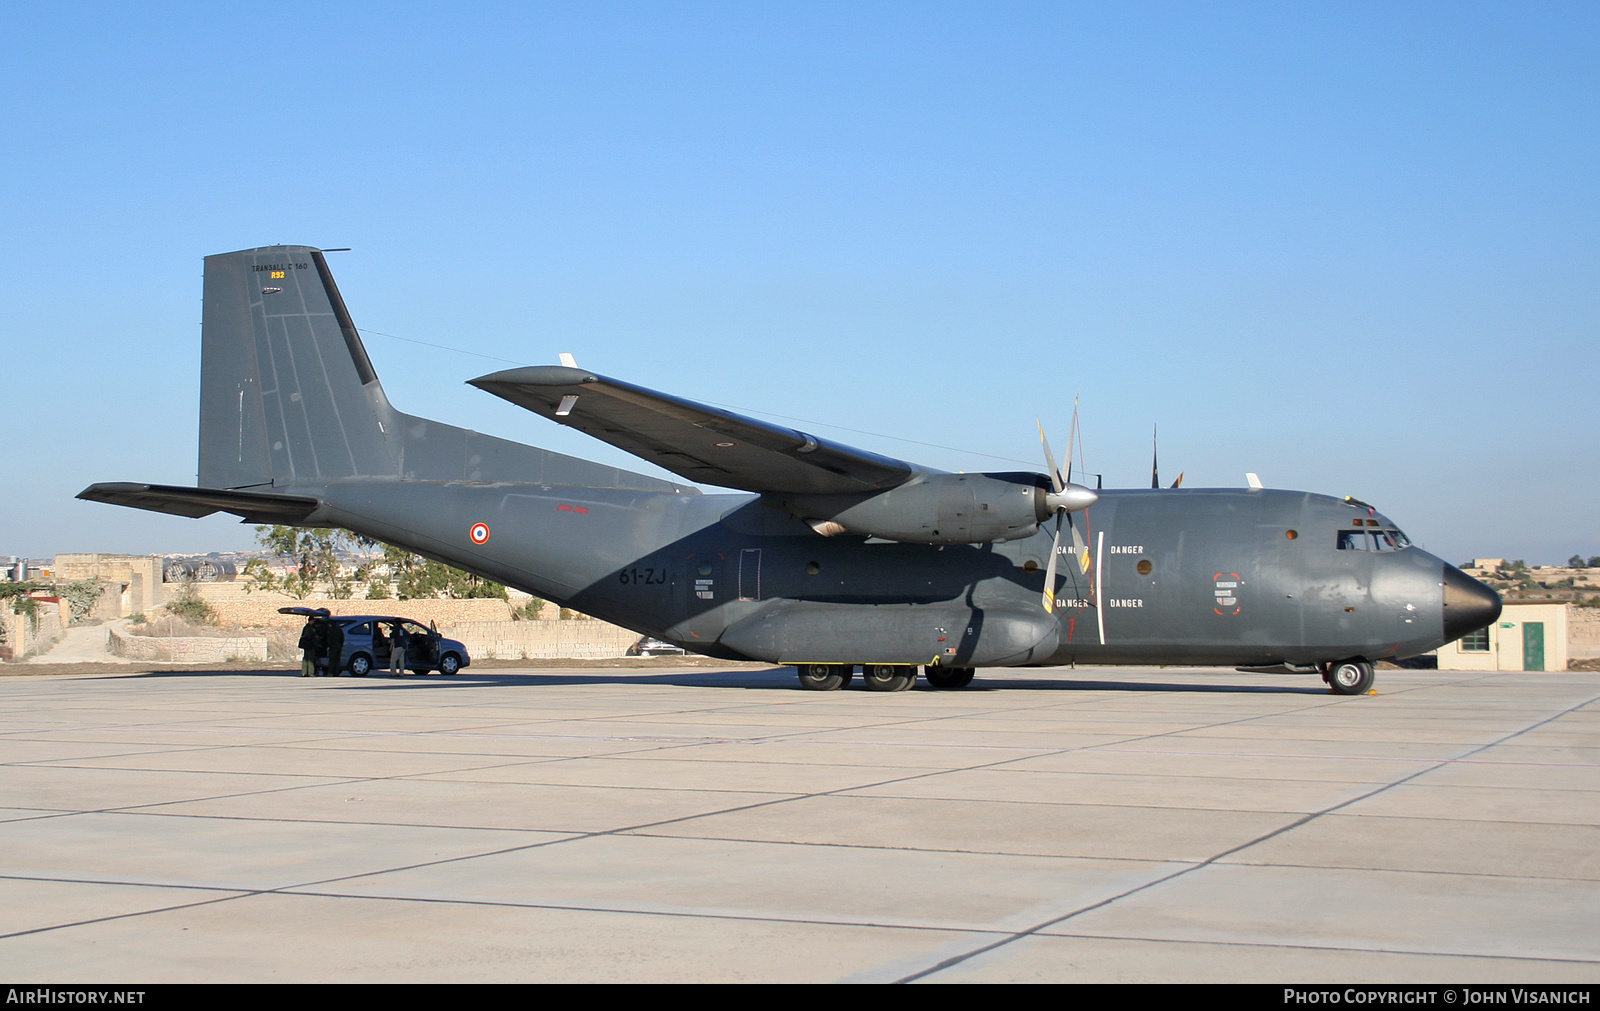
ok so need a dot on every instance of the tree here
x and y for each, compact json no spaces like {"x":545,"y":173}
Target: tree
{"x":314,"y":556}
{"x":419,"y":578}
{"x":1575,"y":562}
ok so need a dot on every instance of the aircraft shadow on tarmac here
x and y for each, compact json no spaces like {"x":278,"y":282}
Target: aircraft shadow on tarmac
{"x":778,"y":677}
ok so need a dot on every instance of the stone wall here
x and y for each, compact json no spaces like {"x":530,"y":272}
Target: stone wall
{"x":187,"y":649}
{"x":1583,"y":632}
{"x":233,"y":606}
{"x":24,"y":635}
{"x":519,"y":640}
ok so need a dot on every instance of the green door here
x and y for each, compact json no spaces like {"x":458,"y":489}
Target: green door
{"x":1533,"y":645}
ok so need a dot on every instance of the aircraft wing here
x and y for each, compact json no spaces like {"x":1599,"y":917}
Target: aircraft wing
{"x":252,"y":507}
{"x":699,"y":442}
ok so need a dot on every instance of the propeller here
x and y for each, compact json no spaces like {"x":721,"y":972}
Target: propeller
{"x":1064,"y":497}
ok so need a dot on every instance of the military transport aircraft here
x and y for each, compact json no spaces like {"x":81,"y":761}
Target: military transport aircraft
{"x":827,"y":559}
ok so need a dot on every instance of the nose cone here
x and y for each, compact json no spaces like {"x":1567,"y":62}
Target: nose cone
{"x":1468,"y":604}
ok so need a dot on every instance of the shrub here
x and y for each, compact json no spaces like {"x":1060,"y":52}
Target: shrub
{"x":533,"y":610}
{"x":190,"y":606}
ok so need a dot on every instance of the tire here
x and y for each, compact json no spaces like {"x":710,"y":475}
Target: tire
{"x":888,"y":677}
{"x":449,"y":664}
{"x":360,"y":665}
{"x":949,"y":678}
{"x":1350,"y":677}
{"x":821,"y":677}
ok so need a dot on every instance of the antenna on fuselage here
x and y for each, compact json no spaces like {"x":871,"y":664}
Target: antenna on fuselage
{"x":1155,"y":468}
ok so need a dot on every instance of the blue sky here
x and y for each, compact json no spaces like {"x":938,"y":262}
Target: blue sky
{"x":1351,"y":247}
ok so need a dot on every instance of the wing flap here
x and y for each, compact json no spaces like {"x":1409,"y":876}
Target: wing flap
{"x":697,"y":441}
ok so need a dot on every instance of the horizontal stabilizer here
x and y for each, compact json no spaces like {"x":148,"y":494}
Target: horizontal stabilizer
{"x":702,"y":443}
{"x":252,"y":507}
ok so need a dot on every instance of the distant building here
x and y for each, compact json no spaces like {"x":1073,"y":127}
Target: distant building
{"x":135,"y":579}
{"x":1529,"y":636}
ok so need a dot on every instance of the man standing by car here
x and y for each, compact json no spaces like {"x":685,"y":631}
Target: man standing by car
{"x":335,"y":633}
{"x":308,"y":648}
{"x":399,"y":639}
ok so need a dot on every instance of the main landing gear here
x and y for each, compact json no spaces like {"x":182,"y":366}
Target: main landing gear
{"x":950,"y":677}
{"x":824,"y":677}
{"x":1349,"y":677}
{"x":880,"y":677}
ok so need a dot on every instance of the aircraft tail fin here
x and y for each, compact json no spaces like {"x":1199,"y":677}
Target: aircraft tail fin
{"x":287,"y":392}
{"x":289,"y":398}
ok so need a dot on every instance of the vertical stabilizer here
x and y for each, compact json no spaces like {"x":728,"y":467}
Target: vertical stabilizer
{"x":288,"y":396}
{"x":287,"y":393}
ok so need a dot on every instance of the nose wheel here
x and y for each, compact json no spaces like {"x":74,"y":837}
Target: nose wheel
{"x":1349,"y":677}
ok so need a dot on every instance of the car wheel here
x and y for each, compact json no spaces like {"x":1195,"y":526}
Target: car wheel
{"x":1351,"y":677}
{"x":449,"y":663}
{"x":360,"y":665}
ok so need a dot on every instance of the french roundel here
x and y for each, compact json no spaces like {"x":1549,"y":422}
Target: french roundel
{"x":479,"y":533}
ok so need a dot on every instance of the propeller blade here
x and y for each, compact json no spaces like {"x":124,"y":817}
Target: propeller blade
{"x":1050,"y":570}
{"x":1050,"y":462}
{"x":1072,"y":438}
{"x":1080,"y":550}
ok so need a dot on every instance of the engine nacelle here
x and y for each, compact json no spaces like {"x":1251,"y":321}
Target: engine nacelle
{"x":932,"y":509}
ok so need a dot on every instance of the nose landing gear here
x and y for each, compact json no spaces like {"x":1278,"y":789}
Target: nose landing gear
{"x":1349,"y":677}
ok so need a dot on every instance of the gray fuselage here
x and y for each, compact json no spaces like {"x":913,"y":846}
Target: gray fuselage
{"x":1236,"y":577}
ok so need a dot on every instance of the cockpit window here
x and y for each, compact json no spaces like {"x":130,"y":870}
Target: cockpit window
{"x":1372,"y":540}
